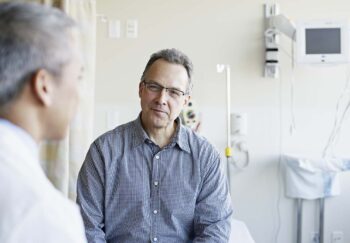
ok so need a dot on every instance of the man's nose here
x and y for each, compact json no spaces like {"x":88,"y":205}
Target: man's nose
{"x":163,"y":96}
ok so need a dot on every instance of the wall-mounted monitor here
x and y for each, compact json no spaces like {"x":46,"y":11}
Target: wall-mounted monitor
{"x":322,"y":42}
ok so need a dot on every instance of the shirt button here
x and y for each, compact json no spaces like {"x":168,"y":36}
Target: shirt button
{"x":155,"y":211}
{"x":157,"y":156}
{"x":156,"y":183}
{"x":155,"y":239}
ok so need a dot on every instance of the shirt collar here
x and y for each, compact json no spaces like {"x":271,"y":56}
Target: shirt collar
{"x":139,"y":134}
{"x":180,"y":138}
{"x":20,"y":133}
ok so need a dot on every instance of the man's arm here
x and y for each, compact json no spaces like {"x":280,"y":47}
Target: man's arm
{"x":212,"y":222}
{"x":90,"y":195}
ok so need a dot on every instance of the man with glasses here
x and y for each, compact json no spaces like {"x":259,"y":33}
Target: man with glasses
{"x":153,"y":179}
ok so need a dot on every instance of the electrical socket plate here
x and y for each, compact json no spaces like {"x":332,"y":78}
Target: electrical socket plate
{"x":315,"y":237}
{"x":337,"y":237}
{"x":131,"y":28}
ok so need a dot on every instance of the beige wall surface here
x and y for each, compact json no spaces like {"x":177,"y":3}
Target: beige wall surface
{"x":231,"y":32}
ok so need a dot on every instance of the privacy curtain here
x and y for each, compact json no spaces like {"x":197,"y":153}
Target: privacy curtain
{"x":62,"y":160}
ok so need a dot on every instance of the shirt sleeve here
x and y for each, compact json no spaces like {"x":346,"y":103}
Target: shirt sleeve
{"x":212,"y":221}
{"x":90,"y":195}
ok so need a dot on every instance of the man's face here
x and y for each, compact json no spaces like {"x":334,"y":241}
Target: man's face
{"x":66,"y":96}
{"x":160,"y":109}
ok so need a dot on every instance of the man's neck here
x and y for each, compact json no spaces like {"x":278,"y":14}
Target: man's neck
{"x":24,"y":120}
{"x":162,"y":136}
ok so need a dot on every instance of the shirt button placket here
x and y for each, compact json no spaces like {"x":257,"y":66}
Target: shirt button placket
{"x":156,"y":197}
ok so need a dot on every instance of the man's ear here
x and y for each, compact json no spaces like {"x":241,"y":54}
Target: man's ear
{"x":187,"y":98}
{"x":140,"y":88}
{"x":42,"y":87}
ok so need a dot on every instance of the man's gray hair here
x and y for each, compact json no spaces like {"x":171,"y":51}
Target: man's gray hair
{"x":32,"y":37}
{"x":172,"y":56}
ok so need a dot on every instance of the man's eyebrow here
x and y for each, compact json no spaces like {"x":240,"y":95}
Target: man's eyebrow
{"x":155,"y":82}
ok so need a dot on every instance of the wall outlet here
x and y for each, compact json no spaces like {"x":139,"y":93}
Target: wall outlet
{"x":337,"y":237}
{"x":131,"y":28}
{"x":114,"y":29}
{"x":315,"y":237}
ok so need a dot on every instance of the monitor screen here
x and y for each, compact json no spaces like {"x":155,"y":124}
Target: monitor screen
{"x":323,"y":41}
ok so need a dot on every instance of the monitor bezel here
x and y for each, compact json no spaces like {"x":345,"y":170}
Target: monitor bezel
{"x":322,"y":58}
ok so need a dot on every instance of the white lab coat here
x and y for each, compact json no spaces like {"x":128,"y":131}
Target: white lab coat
{"x":31,"y":209}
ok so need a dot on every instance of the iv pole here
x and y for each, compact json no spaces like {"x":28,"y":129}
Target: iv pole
{"x":228,"y":152}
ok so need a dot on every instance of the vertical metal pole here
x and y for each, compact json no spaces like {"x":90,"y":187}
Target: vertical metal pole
{"x":228,"y":93}
{"x":299,"y":219}
{"x":321,"y":229}
{"x":228,"y":129}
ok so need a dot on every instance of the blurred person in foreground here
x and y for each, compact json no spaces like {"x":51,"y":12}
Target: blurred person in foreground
{"x":40,"y":66}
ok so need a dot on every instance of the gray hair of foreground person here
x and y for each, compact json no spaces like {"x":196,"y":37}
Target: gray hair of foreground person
{"x":172,"y":56}
{"x":32,"y":37}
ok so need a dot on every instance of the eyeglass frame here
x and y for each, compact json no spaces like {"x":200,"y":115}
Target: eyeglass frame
{"x":161,"y":87}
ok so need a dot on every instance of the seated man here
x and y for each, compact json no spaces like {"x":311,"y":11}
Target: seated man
{"x":153,"y":179}
{"x":39,"y":71}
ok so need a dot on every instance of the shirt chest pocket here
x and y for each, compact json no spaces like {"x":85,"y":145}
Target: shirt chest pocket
{"x":131,"y":185}
{"x":177,"y":194}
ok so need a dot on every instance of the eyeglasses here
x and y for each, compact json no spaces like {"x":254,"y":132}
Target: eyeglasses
{"x":157,"y":88}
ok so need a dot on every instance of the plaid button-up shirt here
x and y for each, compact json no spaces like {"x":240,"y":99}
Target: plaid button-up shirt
{"x":130,"y":190}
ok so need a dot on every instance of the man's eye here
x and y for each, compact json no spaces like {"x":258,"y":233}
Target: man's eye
{"x":174,"y":92}
{"x":153,"y":87}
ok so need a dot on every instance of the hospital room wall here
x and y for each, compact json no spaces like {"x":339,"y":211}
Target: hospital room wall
{"x":231,"y":32}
